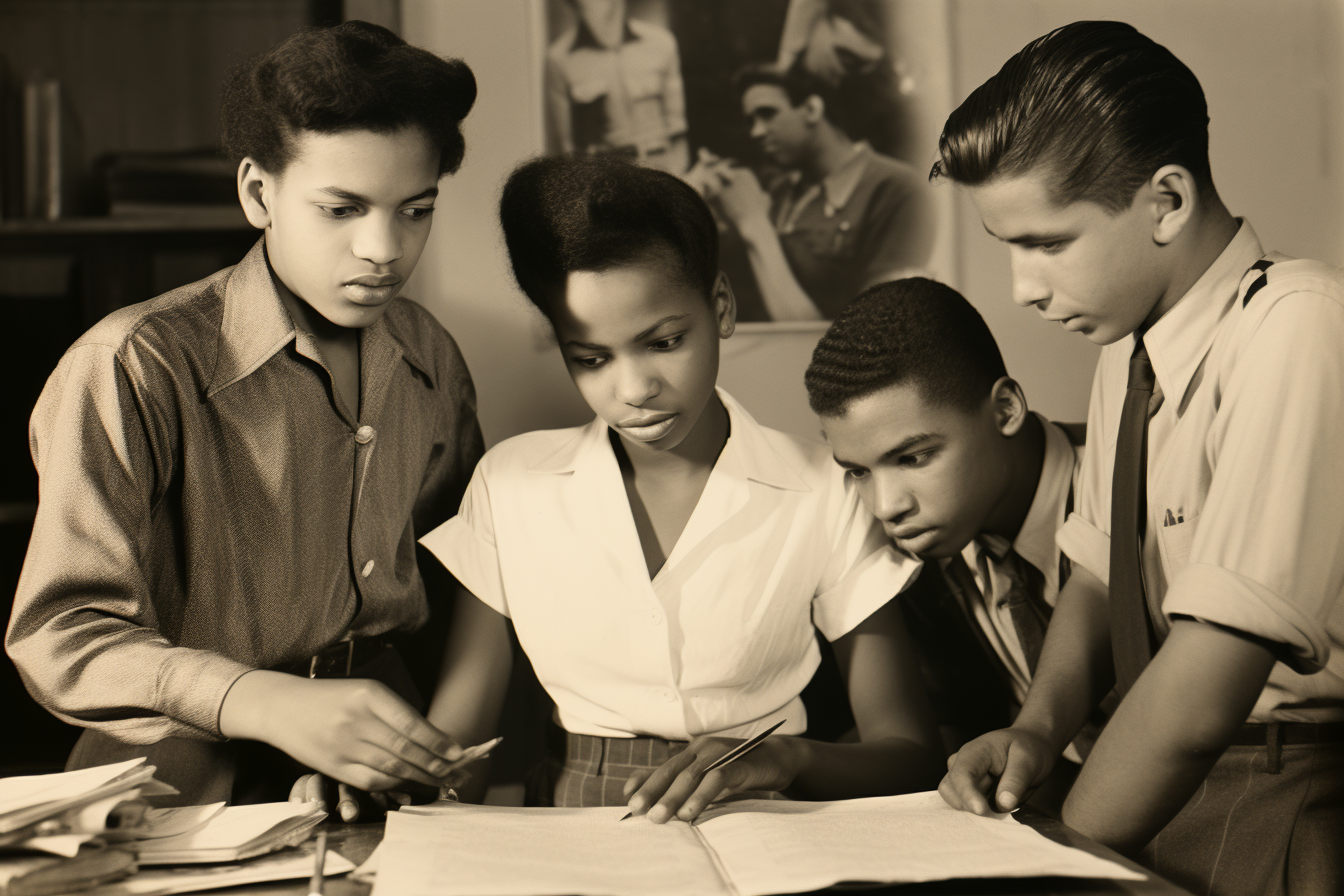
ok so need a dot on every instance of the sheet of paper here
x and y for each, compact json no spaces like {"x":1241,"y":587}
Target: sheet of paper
{"x":782,"y":846}
{"x":180,"y":820}
{"x":287,"y":865}
{"x":24,"y":791}
{"x":502,"y":851}
{"x":232,"y":828}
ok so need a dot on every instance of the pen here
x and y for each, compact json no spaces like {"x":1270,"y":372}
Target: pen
{"x":319,"y":864}
{"x":736,"y":752}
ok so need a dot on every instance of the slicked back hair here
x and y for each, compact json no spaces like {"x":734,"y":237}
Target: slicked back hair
{"x":1096,"y":106}
{"x":798,"y":85}
{"x":915,"y":332}
{"x":563,"y":214}
{"x":352,"y":76}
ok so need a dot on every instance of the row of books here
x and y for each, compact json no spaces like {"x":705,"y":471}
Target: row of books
{"x":96,"y":831}
{"x":45,"y":172}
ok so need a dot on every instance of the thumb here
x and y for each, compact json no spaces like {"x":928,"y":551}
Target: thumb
{"x":1019,"y":774}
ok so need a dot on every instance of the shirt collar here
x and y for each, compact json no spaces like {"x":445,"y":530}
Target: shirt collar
{"x":585,"y":39}
{"x":1180,"y":339}
{"x":1035,"y":542}
{"x":748,"y":452}
{"x":255,"y":325}
{"x":838,"y":187}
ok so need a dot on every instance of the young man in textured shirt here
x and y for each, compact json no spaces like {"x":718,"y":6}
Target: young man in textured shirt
{"x":233,"y":475}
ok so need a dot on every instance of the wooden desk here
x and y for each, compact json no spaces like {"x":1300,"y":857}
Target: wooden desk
{"x":357,"y":841}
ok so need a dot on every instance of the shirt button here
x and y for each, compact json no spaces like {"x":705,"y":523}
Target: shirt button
{"x":669,"y":696}
{"x":368,"y":568}
{"x":364,"y":434}
{"x":655,"y":617}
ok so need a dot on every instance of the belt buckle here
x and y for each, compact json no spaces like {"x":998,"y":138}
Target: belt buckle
{"x":319,"y":660}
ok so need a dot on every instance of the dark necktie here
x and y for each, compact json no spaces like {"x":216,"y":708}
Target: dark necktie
{"x":1132,"y":637}
{"x":1025,"y":597}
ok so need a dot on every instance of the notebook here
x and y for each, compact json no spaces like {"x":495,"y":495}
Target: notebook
{"x":236,"y":832}
{"x":745,"y":848}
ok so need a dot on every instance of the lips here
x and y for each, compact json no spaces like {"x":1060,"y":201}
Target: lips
{"x":649,"y":427}
{"x":374,"y":280}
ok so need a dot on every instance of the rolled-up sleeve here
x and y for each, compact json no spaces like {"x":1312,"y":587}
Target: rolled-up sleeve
{"x":1085,"y":537}
{"x":465,"y":545}
{"x":83,"y":632}
{"x":1266,"y":555}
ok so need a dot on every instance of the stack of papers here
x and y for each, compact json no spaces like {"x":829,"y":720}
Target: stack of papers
{"x":238,"y":832}
{"x":54,"y":829}
{"x":747,"y":848}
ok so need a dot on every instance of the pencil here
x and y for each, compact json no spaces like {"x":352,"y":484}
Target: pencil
{"x":736,"y":752}
{"x":319,"y":864}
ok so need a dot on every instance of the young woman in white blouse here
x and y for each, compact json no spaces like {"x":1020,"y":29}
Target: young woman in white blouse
{"x":667,"y":566}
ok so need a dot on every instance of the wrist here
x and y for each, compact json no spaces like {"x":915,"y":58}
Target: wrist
{"x":755,"y":228}
{"x":245,"y":713}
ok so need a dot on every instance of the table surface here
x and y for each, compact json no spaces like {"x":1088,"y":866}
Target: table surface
{"x":356,"y":842}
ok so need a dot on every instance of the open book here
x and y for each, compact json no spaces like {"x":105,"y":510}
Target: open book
{"x":746,"y":848}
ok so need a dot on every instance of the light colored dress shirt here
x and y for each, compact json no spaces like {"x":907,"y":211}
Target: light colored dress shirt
{"x":1035,"y":543}
{"x":1245,"y":508}
{"x":722,"y":639}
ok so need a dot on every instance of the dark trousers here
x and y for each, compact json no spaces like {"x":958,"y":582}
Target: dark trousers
{"x":1249,"y":831}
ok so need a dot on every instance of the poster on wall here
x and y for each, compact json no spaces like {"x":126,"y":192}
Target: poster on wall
{"x":807,"y":125}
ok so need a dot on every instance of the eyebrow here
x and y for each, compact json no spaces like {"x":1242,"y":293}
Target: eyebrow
{"x":349,"y":196}
{"x":642,"y":334}
{"x":1026,"y":237}
{"x":900,"y":448}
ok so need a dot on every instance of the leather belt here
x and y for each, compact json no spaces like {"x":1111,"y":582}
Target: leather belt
{"x":337,"y":660}
{"x":1274,"y":736}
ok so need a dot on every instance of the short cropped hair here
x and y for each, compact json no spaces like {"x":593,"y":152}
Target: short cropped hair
{"x":350,"y":76}
{"x":797,"y":82}
{"x":563,"y":214}
{"x":1098,"y":105}
{"x":913,"y":331}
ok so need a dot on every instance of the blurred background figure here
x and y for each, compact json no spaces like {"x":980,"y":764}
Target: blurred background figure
{"x":613,"y":85}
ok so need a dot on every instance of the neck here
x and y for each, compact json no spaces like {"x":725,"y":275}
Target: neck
{"x":833,"y":150}
{"x":608,"y":26}
{"x":697,"y":452}
{"x":1209,"y":235}
{"x":1026,"y":458}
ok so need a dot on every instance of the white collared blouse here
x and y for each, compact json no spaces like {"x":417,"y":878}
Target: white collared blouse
{"x":722,"y":639}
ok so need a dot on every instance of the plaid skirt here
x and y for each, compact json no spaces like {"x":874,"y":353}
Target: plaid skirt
{"x":583,"y":770}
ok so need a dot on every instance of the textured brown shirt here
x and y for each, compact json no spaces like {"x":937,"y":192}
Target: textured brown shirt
{"x":207,"y":506}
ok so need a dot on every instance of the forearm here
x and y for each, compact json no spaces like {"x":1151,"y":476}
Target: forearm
{"x":1168,"y":732}
{"x":835,"y":771}
{"x":783,"y":297}
{"x":1074,"y":672}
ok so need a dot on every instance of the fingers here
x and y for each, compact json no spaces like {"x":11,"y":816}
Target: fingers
{"x":347,"y":805}
{"x":398,"y":715}
{"x":713,"y":786}
{"x":967,"y":780}
{"x":647,"y":794}
{"x":635,"y":781}
{"x":296,"y":793}
{"x":1019,"y":776}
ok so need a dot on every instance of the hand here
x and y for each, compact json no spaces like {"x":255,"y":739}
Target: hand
{"x":1012,"y":761}
{"x":704,"y":174}
{"x":739,"y":196}
{"x":353,"y":730}
{"x":353,"y":804}
{"x":680,"y":787}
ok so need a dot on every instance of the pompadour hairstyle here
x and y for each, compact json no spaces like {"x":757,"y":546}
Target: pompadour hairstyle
{"x":1096,"y":105}
{"x":562,"y":214}
{"x":914,"y":331}
{"x":350,"y":76}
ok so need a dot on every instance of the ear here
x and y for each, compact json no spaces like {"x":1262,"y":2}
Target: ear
{"x":725,"y":306}
{"x":255,"y":186}
{"x":1173,"y":193}
{"x":1010,"y":406}
{"x":814,"y":109}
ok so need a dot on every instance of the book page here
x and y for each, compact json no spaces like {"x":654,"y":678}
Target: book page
{"x":779,"y":846}
{"x":230,"y":830}
{"x":505,"y":851}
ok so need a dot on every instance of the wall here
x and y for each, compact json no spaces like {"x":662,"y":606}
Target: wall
{"x":1274,"y":85}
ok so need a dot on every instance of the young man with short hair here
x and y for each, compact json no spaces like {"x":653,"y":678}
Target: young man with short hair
{"x":233,"y":475}
{"x":1207,"y":571}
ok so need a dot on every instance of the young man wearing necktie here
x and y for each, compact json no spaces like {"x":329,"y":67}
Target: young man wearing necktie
{"x":918,"y":408}
{"x":1207,"y":578}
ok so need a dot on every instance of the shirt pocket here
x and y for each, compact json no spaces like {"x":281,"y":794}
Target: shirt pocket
{"x":1177,"y":535}
{"x":587,"y":89}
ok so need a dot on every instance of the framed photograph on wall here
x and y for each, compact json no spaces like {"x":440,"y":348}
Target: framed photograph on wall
{"x":808,"y":125}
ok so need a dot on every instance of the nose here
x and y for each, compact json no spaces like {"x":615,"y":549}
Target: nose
{"x":637,"y":383}
{"x":892,"y":500}
{"x":757,"y":128}
{"x":378,"y":239}
{"x":1029,"y":286}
